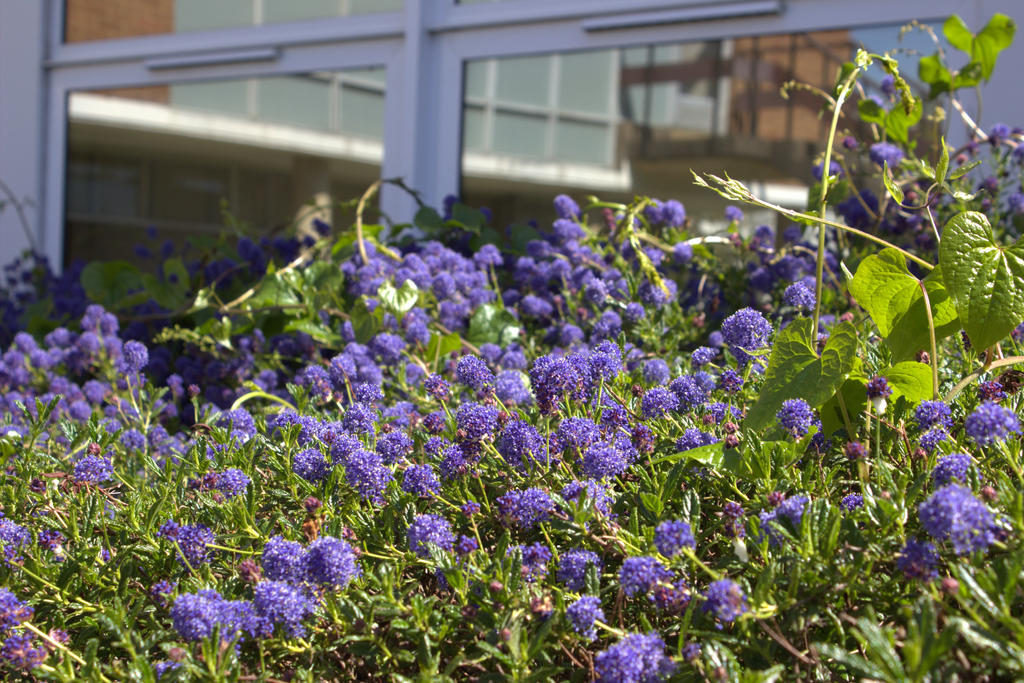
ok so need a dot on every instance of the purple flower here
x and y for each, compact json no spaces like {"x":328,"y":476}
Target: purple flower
{"x":475,"y":421}
{"x":20,"y":652}
{"x":330,"y":562}
{"x":932,"y":413}
{"x":279,"y":603}
{"x":566,"y":208}
{"x":394,"y":446}
{"x":885,"y":153}
{"x":656,"y":371}
{"x":583,"y":613}
{"x":12,"y":611}
{"x":991,"y":422}
{"x":283,"y":560}
{"x":641,"y":574}
{"x":795,"y":417}
{"x":93,"y":469}
{"x":594,"y":491}
{"x":745,"y":332}
{"x":694,"y":438}
{"x":535,"y":560}
{"x":366,"y":473}
{"x":430,"y":530}
{"x":232,"y":482}
{"x":572,"y":568}
{"x":637,"y":658}
{"x":950,"y":467}
{"x":931,"y":439}
{"x":917,"y":560}
{"x":437,"y":387}
{"x":474,"y":373}
{"x":725,"y":600}
{"x":525,"y":508}
{"x":135,"y":356}
{"x":607,"y":458}
{"x":733,"y":214}
{"x":576,"y":433}
{"x":852,"y":502}
{"x":311,"y":465}
{"x":658,"y":401}
{"x":703,"y":355}
{"x":799,"y":295}
{"x":420,"y":480}
{"x":520,"y":444}
{"x":670,"y":537}
{"x":198,"y":615}
{"x":953,"y":513}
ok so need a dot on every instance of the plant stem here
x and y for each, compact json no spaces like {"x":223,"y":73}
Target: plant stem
{"x":1009,"y":360}
{"x":738,"y":193}
{"x":934,"y":358}
{"x":844,"y":92}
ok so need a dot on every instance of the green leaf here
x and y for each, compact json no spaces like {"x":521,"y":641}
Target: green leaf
{"x":652,"y":502}
{"x":895,"y":191}
{"x":111,"y":283}
{"x":957,"y":33}
{"x":164,"y":293}
{"x":910,"y":379}
{"x":896,"y":121}
{"x":855,"y":398}
{"x":884,"y":287}
{"x":796,"y":371}
{"x":985,"y":279}
{"x":428,"y":219}
{"x":964,"y":170}
{"x":441,"y":345}
{"x":273,"y":290}
{"x":943,"y":166}
{"x":990,"y":41}
{"x":399,"y":301}
{"x":932,"y":71}
{"x":492,"y":324}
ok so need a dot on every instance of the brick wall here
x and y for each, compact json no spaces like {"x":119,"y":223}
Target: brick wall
{"x":105,"y":19}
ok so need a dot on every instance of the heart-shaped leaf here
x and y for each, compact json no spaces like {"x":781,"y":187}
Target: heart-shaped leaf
{"x":884,"y":287}
{"x":796,"y":371}
{"x":985,"y":279}
{"x":910,"y":379}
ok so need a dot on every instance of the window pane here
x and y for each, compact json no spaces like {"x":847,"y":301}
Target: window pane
{"x":230,"y":98}
{"x":362,"y":112}
{"x":302,"y":101}
{"x":583,"y":84}
{"x":519,"y":134}
{"x":586,"y":143}
{"x":473,"y":130}
{"x":172,"y":157}
{"x":524,"y":80}
{"x":86,"y":20}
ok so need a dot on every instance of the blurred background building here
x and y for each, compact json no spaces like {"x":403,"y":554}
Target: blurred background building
{"x":179,"y":116}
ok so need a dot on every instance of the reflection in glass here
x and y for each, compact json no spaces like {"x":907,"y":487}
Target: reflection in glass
{"x":177,"y":157}
{"x":618,"y":122}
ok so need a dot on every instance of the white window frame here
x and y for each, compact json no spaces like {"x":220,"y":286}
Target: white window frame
{"x":424,"y":48}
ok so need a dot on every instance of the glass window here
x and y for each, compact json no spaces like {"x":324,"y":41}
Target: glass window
{"x":619,"y":122}
{"x":86,"y":20}
{"x":175,"y":157}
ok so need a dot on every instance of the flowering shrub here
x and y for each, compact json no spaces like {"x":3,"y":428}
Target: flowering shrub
{"x":607,"y":450}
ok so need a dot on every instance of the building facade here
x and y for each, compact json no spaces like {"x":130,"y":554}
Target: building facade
{"x":181,"y":117}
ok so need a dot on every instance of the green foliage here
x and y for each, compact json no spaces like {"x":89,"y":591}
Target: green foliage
{"x":884,"y":287}
{"x":984,"y":278}
{"x":795,"y":370}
